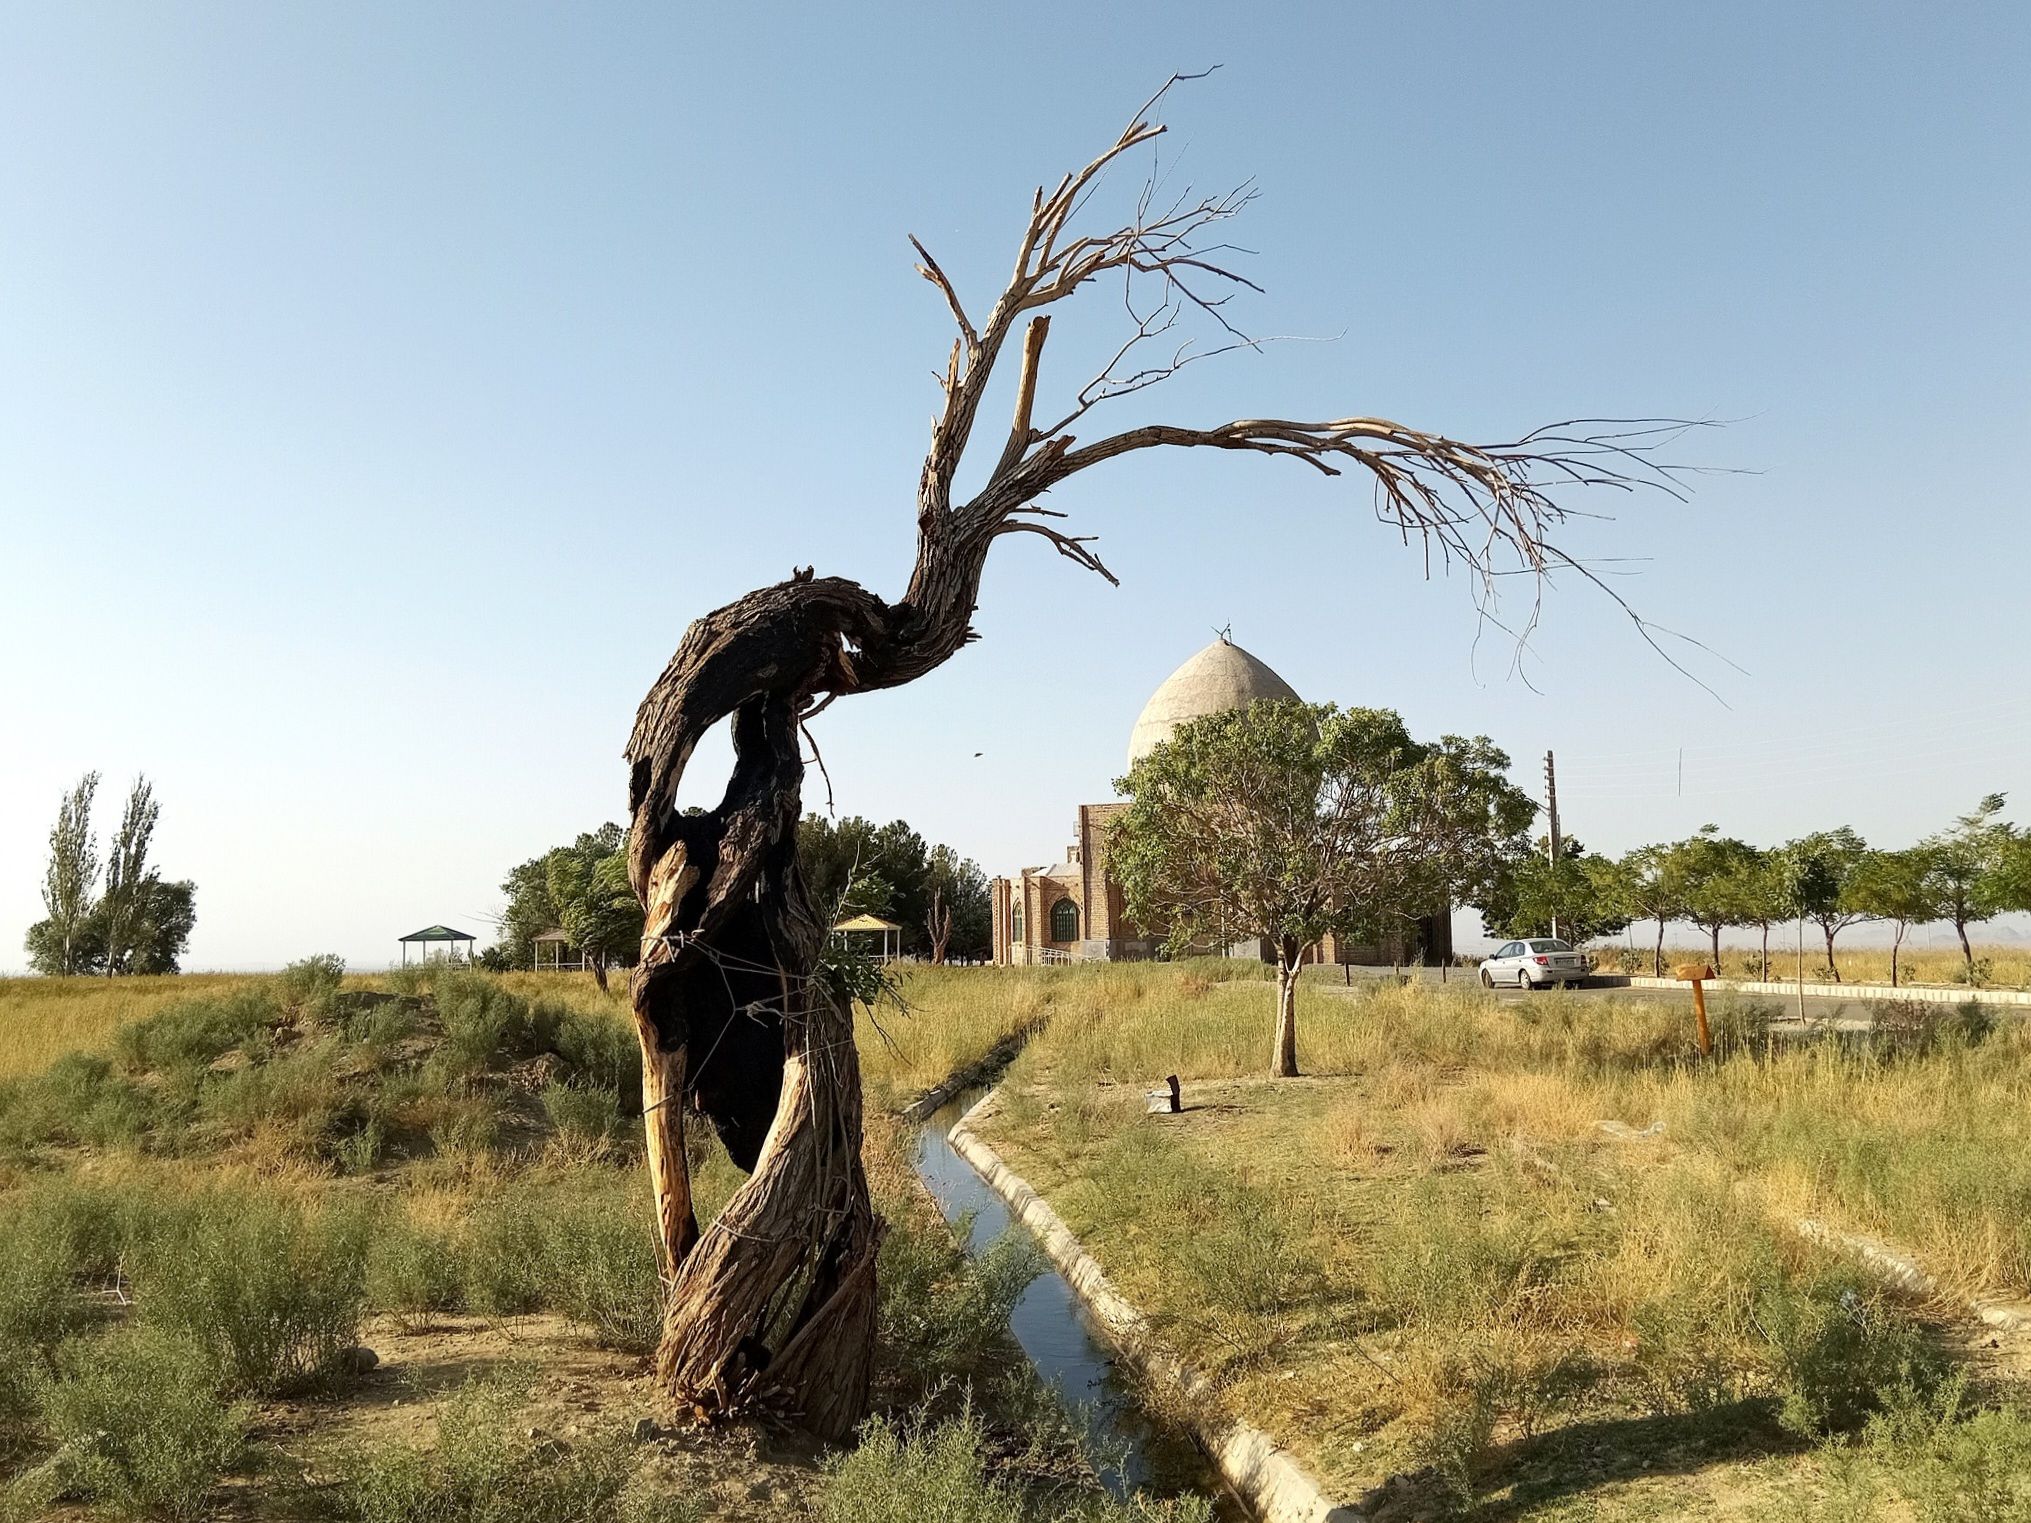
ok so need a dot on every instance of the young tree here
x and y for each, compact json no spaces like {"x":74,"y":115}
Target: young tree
{"x":1583,"y":894}
{"x":958,"y":904}
{"x":1653,"y":887}
{"x":73,"y":872}
{"x":1285,"y":821}
{"x":596,"y":906}
{"x":1897,"y":886}
{"x":772,"y":1307}
{"x":1765,"y":890}
{"x":1825,"y":863}
{"x":1717,"y":881}
{"x":1971,"y":869}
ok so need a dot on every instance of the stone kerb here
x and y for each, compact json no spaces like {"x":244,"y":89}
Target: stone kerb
{"x":1276,"y":1488}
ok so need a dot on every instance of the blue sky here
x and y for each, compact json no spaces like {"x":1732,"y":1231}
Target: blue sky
{"x":383,"y":388}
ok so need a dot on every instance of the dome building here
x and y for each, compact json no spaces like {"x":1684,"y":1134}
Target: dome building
{"x":1071,"y":911}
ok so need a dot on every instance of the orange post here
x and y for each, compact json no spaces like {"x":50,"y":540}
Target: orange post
{"x":1694,"y":974}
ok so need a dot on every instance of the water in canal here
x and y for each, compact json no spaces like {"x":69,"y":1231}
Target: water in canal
{"x":1128,"y":1451}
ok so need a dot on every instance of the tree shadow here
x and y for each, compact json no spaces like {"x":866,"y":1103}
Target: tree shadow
{"x":1522,"y":1476}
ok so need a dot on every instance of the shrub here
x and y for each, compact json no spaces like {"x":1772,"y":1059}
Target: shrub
{"x":604,"y":1053}
{"x":909,"y":1470}
{"x":600,"y":1267}
{"x":184,"y":1038}
{"x":1955,"y":1465}
{"x":412,"y":1271}
{"x":584,"y":1115}
{"x":273,"y":1292}
{"x":77,"y":1101}
{"x":941,"y":1313}
{"x":1833,"y":1344}
{"x":484,"y":1022}
{"x":310,"y":983}
{"x":1680,"y":1364}
{"x":501,"y":1263}
{"x":480,"y":1473}
{"x":137,"y":1423}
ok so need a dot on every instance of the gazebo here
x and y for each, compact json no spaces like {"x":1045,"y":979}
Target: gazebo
{"x":558,"y":943}
{"x":890,"y":933}
{"x":442,"y":933}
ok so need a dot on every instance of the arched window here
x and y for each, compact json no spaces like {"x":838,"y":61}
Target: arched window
{"x":1017,"y":936}
{"x":1064,"y":921}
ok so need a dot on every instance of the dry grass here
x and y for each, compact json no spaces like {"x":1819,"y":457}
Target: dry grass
{"x":2008,"y":967}
{"x":1428,"y":1256}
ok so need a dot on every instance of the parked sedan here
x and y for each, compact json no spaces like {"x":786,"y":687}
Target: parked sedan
{"x":1535,"y":964}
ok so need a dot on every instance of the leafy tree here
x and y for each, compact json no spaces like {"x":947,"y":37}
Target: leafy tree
{"x":1286,"y":821}
{"x":534,"y":905}
{"x":1900,"y":887}
{"x":595,"y":903}
{"x":1974,"y":870}
{"x":1581,"y":894}
{"x":67,"y":884}
{"x":1717,"y":882}
{"x":1767,"y":894}
{"x":141,"y":924}
{"x":958,"y":916}
{"x":855,"y":867}
{"x":1653,"y":887}
{"x":1825,"y":864}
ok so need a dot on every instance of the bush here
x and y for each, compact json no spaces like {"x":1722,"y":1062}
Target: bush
{"x":273,"y":1292}
{"x":604,"y":1053}
{"x":483,"y":1021}
{"x":587,"y":1116}
{"x":479,"y":1473}
{"x":137,"y":1423}
{"x":501,"y":1265}
{"x":413,"y":1271}
{"x":600,"y":1267}
{"x":1834,"y":1344}
{"x":1681,"y":1365}
{"x":909,"y":1470}
{"x":941,"y":1313}
{"x":77,"y":1101}
{"x":1955,"y":1465}
{"x":310,"y":984}
{"x":184,"y":1038}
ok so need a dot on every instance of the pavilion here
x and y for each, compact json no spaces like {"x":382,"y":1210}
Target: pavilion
{"x":890,"y":932}
{"x":443,"y":933}
{"x":559,"y":944}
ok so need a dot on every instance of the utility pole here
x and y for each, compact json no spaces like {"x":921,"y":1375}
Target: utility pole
{"x":1551,"y":806}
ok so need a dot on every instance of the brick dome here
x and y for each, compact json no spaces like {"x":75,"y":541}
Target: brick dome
{"x":1222,"y":676}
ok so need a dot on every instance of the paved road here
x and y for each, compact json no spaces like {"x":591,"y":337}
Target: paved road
{"x":1848,"y":1014}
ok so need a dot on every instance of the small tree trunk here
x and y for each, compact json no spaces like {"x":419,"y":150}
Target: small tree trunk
{"x":1896,"y":943}
{"x":1832,"y":966}
{"x":1960,"y":929}
{"x":599,"y":972}
{"x":1716,"y":933}
{"x":1657,"y":958}
{"x":1766,"y":951}
{"x":1283,"y":1058}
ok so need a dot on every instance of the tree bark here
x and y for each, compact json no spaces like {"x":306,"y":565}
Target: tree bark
{"x":1716,"y":934}
{"x":1283,"y":1058}
{"x":1896,"y":945}
{"x":1832,"y":966}
{"x":1766,"y":951}
{"x":1657,"y":958}
{"x":1960,"y":929}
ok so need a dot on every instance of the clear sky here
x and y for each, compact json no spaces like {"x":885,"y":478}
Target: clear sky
{"x":383,"y":388}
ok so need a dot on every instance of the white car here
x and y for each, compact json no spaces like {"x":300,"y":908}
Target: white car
{"x":1536,"y":964}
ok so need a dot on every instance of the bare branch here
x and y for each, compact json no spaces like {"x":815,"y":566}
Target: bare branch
{"x":930,"y":270}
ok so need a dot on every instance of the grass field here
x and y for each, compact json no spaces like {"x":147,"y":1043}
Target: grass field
{"x":213,"y":1191}
{"x":1426,"y":1258}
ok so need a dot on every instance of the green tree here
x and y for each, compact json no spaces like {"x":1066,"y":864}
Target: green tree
{"x":1580,"y":894}
{"x":1766,"y":889}
{"x":1825,"y":864}
{"x":596,"y":905}
{"x":1717,"y":881}
{"x":533,"y":908}
{"x":1653,"y":887}
{"x":1897,"y":886}
{"x":67,"y":884}
{"x":1286,"y":821}
{"x":958,"y":912}
{"x":1974,"y":870}
{"x":128,"y":877}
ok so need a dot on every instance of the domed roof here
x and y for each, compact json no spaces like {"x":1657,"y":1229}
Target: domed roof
{"x":1223,"y":676}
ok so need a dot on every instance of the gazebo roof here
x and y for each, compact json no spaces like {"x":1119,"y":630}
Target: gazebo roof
{"x":867,"y":923}
{"x":438,"y":933}
{"x":552,"y":936}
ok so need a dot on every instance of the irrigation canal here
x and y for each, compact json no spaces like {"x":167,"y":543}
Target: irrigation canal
{"x":1128,"y":1449}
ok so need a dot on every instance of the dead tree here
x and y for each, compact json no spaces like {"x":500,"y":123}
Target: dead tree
{"x":771,"y":1308}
